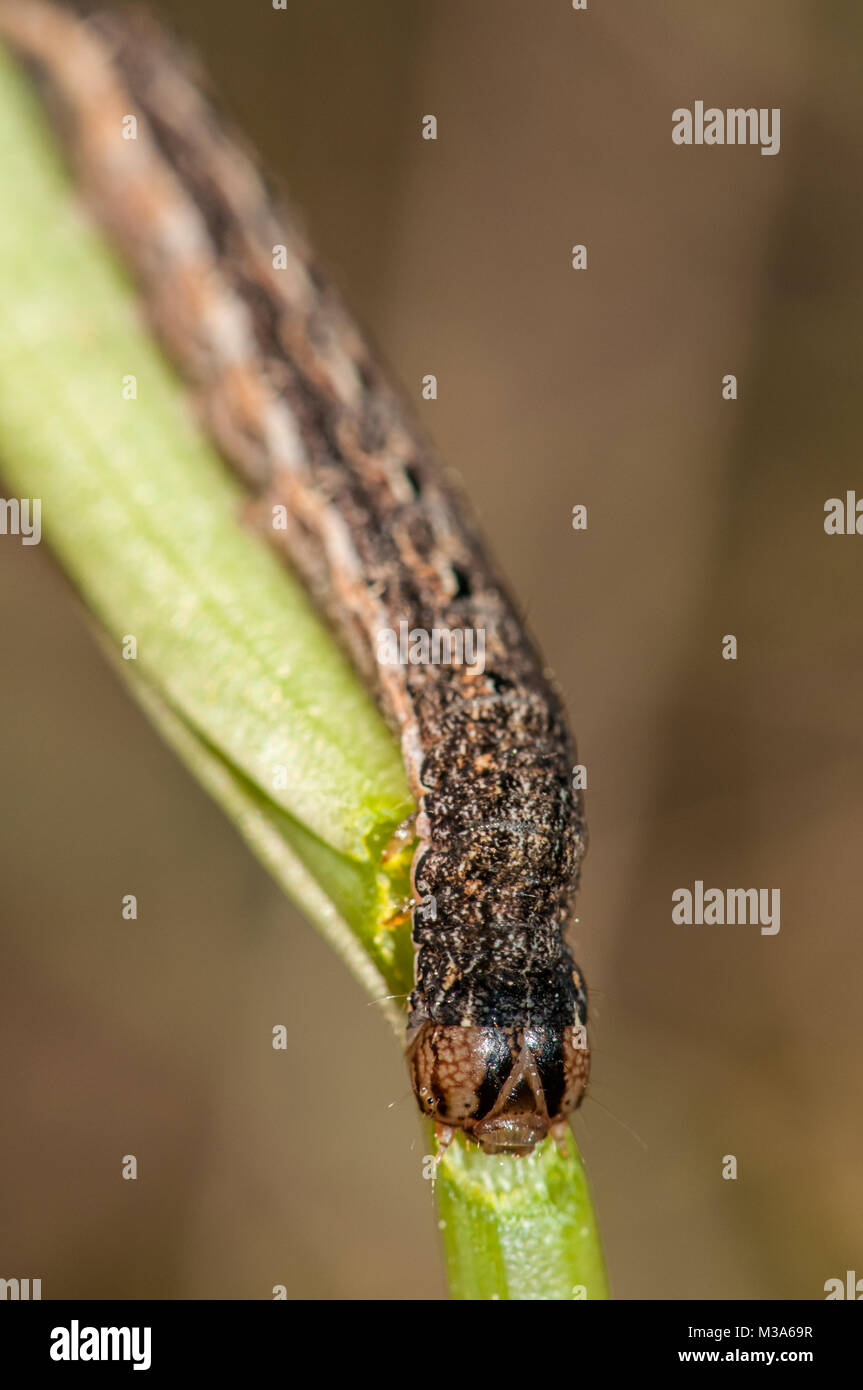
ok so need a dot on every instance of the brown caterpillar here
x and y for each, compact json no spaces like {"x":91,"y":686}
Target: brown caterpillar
{"x":297,"y":403}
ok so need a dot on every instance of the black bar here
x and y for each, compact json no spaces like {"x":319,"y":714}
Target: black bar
{"x":224,"y":1338}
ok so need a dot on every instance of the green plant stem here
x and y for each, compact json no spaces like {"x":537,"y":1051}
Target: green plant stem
{"x":519,"y":1228}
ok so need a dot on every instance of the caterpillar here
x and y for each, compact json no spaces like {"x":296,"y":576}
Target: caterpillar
{"x":297,"y":403}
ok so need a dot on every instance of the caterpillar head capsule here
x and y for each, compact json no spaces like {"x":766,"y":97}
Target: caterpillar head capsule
{"x":505,"y":1087}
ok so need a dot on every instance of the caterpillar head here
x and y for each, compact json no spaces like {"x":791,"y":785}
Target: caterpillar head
{"x":505,"y":1087}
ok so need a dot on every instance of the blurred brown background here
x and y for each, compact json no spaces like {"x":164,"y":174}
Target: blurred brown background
{"x":705,"y":518}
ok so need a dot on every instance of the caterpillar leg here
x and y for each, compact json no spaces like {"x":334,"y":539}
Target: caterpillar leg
{"x":402,"y":913}
{"x":561,"y":1134}
{"x":444,"y":1134}
{"x":400,"y":837}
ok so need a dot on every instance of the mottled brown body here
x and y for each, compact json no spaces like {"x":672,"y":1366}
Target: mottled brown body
{"x":297,"y":402}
